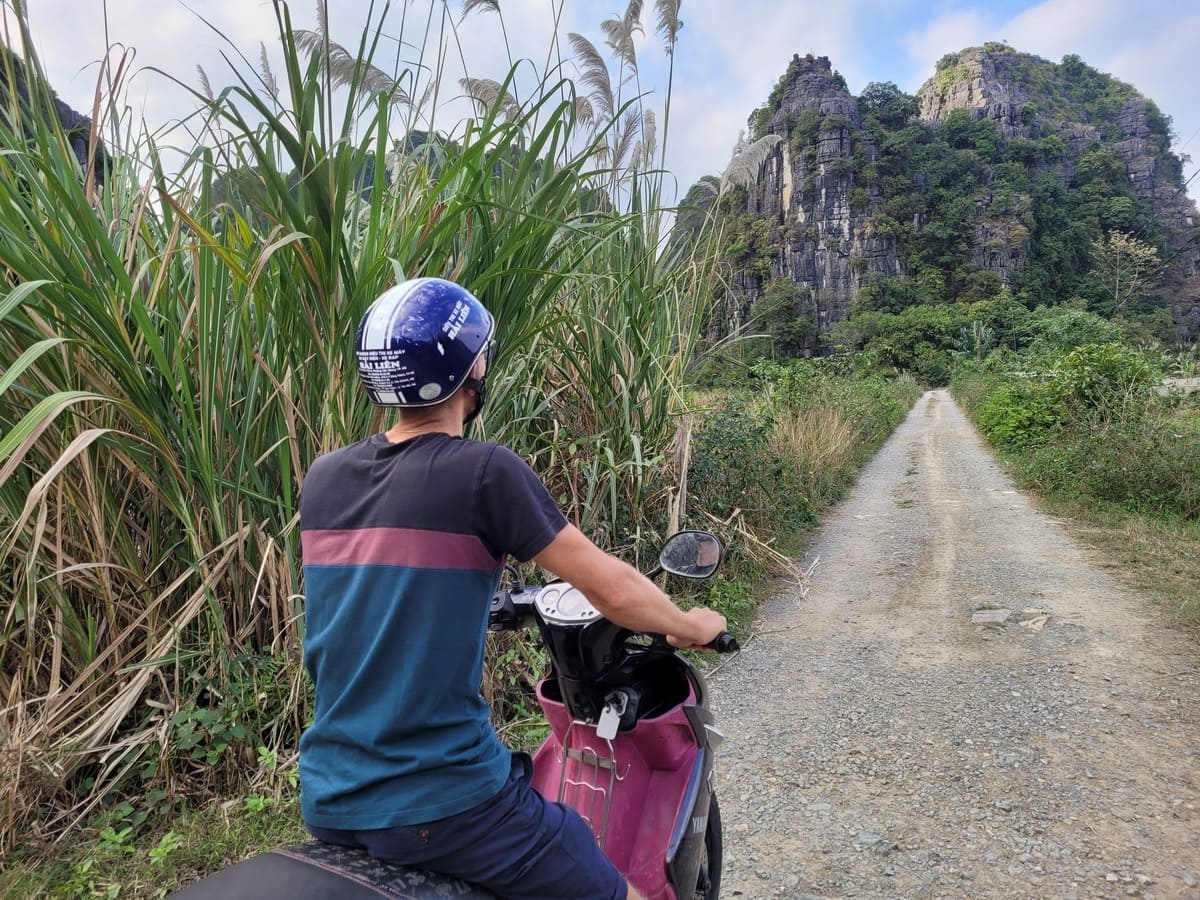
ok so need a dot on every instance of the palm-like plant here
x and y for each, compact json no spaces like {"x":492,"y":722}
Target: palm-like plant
{"x":747,"y":161}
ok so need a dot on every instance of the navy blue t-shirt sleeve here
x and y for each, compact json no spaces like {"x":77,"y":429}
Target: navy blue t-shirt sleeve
{"x":519,"y":515}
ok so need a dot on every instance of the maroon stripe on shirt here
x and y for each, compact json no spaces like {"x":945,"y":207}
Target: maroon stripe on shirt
{"x":411,"y":547}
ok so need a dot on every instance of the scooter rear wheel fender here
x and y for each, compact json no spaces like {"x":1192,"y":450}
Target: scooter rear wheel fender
{"x":319,"y":871}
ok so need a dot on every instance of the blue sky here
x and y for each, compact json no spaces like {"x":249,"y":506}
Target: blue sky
{"x":730,"y":52}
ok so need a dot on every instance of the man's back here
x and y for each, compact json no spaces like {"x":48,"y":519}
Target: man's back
{"x":403,"y":546}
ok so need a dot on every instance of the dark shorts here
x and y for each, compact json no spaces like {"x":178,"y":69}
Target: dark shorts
{"x":517,"y":845}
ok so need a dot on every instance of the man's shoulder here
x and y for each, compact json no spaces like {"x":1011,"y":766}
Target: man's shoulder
{"x":443,"y":449}
{"x":337,"y":456}
{"x":498,"y":454}
{"x":488,"y":454}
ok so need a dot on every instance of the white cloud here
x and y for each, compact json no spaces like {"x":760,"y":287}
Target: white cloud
{"x":148,"y":35}
{"x":945,"y":34}
{"x":1049,"y":26}
{"x":1155,"y":68}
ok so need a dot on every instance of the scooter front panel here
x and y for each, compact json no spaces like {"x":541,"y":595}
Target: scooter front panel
{"x":631,"y":790}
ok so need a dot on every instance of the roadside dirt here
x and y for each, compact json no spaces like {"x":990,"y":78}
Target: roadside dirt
{"x":962,"y":703}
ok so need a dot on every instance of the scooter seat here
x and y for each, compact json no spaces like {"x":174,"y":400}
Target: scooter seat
{"x":320,"y":871}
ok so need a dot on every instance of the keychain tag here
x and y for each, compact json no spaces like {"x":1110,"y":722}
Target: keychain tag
{"x":610,"y":718}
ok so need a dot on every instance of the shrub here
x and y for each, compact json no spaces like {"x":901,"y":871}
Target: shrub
{"x":1064,"y":328}
{"x":788,"y":447}
{"x":932,"y":366}
{"x":733,"y":468}
{"x":1103,"y":379}
{"x":1020,"y":414}
{"x":858,"y":199}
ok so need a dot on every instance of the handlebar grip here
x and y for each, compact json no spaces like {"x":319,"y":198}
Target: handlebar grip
{"x":724,"y":643}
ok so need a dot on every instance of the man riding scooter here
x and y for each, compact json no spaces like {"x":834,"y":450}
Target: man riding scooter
{"x":404,"y":537}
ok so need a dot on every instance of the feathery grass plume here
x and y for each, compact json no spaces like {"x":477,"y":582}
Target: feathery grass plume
{"x":669,"y":23}
{"x":748,"y":159}
{"x":205,"y":86}
{"x":630,"y":126}
{"x":469,"y":6}
{"x":633,"y":17}
{"x":584,"y":112}
{"x":346,"y":69}
{"x":488,"y":93}
{"x":265,"y":68}
{"x":619,"y":34}
{"x":594,"y":72}
{"x":643,"y":152}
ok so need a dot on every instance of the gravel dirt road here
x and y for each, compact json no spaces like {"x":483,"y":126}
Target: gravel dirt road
{"x":963,"y":703}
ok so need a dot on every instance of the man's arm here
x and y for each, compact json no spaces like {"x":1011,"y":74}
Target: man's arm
{"x":624,"y":595}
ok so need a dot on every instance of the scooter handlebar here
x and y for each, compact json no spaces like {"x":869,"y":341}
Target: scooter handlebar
{"x":724,"y":643}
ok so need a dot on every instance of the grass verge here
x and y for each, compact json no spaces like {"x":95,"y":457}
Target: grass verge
{"x":1158,"y":557}
{"x":108,"y":860}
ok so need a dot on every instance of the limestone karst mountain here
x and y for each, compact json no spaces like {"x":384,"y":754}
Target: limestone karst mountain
{"x":1005,"y":174}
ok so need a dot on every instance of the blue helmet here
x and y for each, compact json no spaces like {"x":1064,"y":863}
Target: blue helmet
{"x":418,"y":342}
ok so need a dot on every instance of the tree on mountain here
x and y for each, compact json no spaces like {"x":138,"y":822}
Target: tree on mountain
{"x":1129,"y":267}
{"x":888,"y":105}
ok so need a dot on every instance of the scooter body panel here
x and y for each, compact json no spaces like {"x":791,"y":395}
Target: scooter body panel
{"x":641,"y":792}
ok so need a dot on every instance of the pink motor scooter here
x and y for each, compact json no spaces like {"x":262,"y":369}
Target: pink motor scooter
{"x":630,"y":748}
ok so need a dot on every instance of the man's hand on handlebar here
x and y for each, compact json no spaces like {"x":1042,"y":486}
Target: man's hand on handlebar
{"x":706,"y":625}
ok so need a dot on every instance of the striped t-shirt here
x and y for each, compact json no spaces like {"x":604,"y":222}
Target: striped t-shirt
{"x":403,"y":547}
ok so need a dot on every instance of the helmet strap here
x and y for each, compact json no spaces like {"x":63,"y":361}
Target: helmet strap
{"x":479,"y":386}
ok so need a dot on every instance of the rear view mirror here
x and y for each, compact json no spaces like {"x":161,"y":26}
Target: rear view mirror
{"x":692,"y":554}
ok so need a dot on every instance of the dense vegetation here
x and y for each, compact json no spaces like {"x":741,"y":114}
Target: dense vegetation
{"x":176,"y":350}
{"x":1090,"y":423}
{"x":775,"y":449}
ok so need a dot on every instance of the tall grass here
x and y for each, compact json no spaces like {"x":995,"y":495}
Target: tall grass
{"x":176,"y":350}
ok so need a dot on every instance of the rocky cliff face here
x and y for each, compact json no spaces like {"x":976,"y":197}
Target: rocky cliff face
{"x":810,"y":190}
{"x":820,"y":190}
{"x":983,"y":83}
{"x":1175,"y":211}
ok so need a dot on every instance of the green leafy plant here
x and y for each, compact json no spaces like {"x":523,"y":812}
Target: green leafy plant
{"x":167,"y":844}
{"x":256,"y":804}
{"x":1103,"y":379}
{"x":1022,"y":414}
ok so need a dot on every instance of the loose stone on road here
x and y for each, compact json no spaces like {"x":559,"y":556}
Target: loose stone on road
{"x":964,"y":704}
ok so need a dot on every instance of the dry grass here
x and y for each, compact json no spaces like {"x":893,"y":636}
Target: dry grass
{"x":819,"y":440}
{"x":1159,"y":558}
